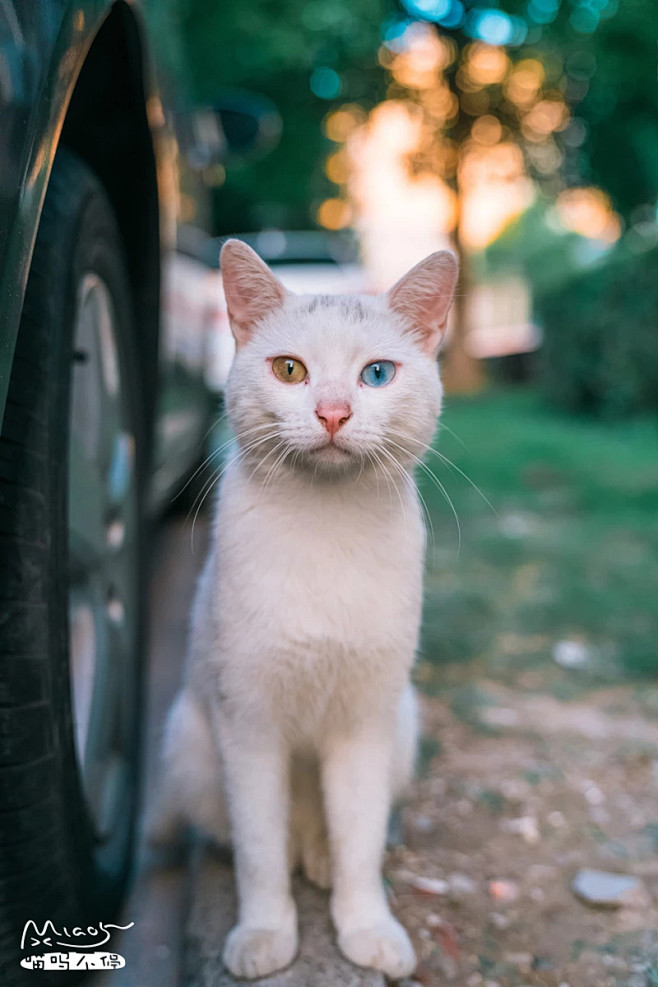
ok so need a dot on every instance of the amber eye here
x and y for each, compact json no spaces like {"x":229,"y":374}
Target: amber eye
{"x":289,"y":370}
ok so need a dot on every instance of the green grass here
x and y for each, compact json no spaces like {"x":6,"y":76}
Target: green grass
{"x":571,"y":551}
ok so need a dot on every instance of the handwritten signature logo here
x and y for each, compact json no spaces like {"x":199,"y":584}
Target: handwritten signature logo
{"x":72,"y":942}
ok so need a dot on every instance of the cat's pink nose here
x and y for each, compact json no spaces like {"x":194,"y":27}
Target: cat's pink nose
{"x":333,"y":416}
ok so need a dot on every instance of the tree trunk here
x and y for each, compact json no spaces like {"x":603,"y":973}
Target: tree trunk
{"x":461,"y":372}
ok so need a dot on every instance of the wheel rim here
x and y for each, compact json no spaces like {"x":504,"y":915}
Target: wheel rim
{"x":102,"y":543}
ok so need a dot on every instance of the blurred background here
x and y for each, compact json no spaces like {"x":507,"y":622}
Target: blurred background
{"x":524,"y":135}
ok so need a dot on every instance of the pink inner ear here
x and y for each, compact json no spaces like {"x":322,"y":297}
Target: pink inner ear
{"x":423,"y":296}
{"x":252,"y":292}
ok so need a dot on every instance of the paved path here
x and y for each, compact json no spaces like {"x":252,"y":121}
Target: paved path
{"x":211,"y":915}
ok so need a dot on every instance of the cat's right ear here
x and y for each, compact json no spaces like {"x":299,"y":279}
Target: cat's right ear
{"x":424,"y":295}
{"x":251,"y":290}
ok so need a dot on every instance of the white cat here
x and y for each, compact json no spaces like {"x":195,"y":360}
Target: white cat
{"x":296,"y":725}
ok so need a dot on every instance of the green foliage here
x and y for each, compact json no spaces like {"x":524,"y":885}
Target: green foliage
{"x":571,"y":552}
{"x":600,"y":352}
{"x":274,"y":49}
{"x":615,"y":69}
{"x":458,"y":624}
{"x":541,"y":248}
{"x":601,"y":56}
{"x":607,"y":54}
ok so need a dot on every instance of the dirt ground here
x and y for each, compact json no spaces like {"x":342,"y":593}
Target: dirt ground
{"x":512,"y":800}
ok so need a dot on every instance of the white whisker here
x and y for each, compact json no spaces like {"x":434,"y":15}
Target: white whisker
{"x":215,"y":477}
{"x":448,"y":462}
{"x":439,"y":486}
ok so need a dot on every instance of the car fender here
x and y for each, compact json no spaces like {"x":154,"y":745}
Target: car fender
{"x":57,"y":41}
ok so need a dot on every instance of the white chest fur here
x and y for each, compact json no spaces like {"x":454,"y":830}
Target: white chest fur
{"x":316,"y":586}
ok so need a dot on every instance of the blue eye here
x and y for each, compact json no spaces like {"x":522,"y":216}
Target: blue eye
{"x":378,"y":374}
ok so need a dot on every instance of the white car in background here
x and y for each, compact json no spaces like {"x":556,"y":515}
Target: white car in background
{"x":306,"y":262}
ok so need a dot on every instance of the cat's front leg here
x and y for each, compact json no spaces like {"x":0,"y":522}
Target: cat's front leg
{"x":356,"y":774}
{"x":256,"y":772}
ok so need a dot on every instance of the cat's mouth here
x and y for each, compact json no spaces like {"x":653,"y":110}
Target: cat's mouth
{"x":331,"y":452}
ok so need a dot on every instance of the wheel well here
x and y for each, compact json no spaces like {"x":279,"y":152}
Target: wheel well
{"x":106,"y":125}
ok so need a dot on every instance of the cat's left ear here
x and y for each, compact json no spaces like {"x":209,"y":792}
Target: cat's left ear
{"x":251,"y":290}
{"x":424,"y":295}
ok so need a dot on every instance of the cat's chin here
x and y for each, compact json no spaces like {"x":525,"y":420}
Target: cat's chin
{"x":329,"y":459}
{"x":331,"y":454}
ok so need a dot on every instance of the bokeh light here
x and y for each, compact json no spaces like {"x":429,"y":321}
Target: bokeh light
{"x":487,"y":130}
{"x":325,"y":83}
{"x":487,"y":65}
{"x":543,"y":11}
{"x":431,"y":10}
{"x":342,"y":122}
{"x":525,"y":81}
{"x":425,"y":55}
{"x":544,"y":118}
{"x":448,"y":13}
{"x":588,"y":211}
{"x":334,"y":214}
{"x":493,"y":26}
{"x":337,"y":168}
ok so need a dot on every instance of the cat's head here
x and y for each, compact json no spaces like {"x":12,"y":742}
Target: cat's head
{"x":329,"y":383}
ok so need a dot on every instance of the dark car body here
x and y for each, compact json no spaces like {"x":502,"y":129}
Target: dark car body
{"x":79,"y":75}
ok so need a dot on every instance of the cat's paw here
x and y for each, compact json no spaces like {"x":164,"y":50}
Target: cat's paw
{"x":316,"y":862}
{"x":384,"y":947}
{"x":254,"y":953}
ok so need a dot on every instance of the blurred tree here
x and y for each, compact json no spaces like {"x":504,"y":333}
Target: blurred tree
{"x":563,"y":90}
{"x":571,"y":83}
{"x":609,"y":78}
{"x":597,"y":56}
{"x":487,"y":102}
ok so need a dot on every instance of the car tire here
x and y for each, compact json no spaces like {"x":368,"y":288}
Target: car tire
{"x":71,"y":537}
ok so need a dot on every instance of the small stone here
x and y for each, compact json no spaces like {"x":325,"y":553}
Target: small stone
{"x":423,"y":824}
{"x":448,"y":967}
{"x":542,"y":963}
{"x":605,"y":890}
{"x":571,"y":654}
{"x":556,"y":819}
{"x":524,"y":826}
{"x":433,"y":921}
{"x":427,"y":885}
{"x":499,"y":920}
{"x":615,"y":963}
{"x":521,"y":960}
{"x":461,"y":884}
{"x":501,"y":716}
{"x":515,"y":788}
{"x":593,"y":794}
{"x":503,"y":891}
